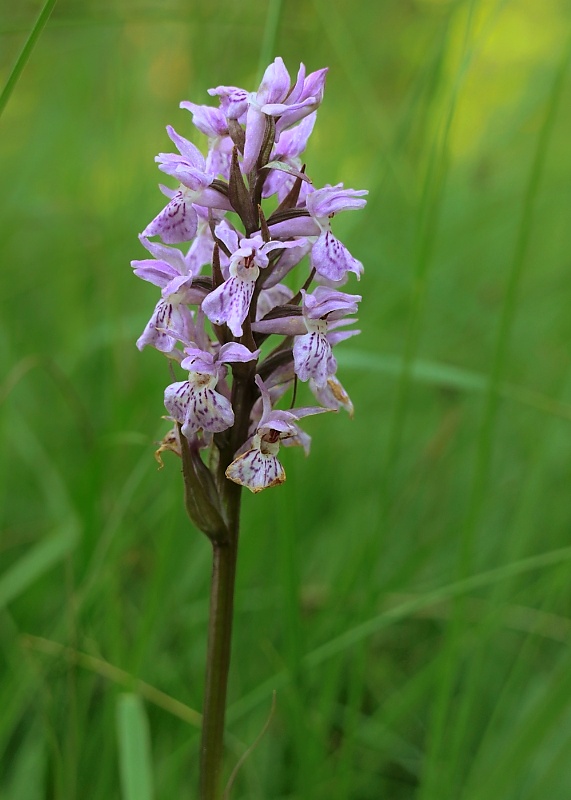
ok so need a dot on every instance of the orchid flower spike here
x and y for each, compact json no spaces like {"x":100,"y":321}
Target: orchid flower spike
{"x":225,"y":317}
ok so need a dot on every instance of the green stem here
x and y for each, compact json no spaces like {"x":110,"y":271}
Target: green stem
{"x":224,"y":558}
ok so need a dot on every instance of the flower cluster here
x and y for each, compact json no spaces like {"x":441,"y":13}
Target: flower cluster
{"x":233,"y":233}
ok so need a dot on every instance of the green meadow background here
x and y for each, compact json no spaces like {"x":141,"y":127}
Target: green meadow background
{"x":407,"y":592}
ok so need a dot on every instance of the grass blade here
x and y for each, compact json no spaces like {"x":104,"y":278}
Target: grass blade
{"x":42,"y":557}
{"x":135,"y":761}
{"x":26,"y":52}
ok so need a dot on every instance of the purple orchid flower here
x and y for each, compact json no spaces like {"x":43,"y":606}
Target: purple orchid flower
{"x":172,"y":320}
{"x":178,"y":221}
{"x":230,"y":302}
{"x":315,"y":331}
{"x":329,"y":257}
{"x":194,"y":403}
{"x":312,"y":354}
{"x":274,"y":98}
{"x":258,"y":468}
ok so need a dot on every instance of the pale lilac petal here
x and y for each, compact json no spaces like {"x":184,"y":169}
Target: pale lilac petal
{"x":190,"y":152}
{"x":212,"y":198}
{"x":229,"y":303}
{"x":297,"y":88}
{"x":219,"y":157}
{"x":287,"y":261}
{"x":210,"y":121}
{"x":298,"y":109}
{"x":308,"y":411}
{"x":234,"y":352}
{"x":156,"y":272}
{"x":167,"y":191}
{"x":302,"y":225}
{"x":268,"y":299}
{"x":331,"y":199}
{"x":313,"y":358}
{"x":194,"y":179}
{"x":255,"y":129}
{"x":227,"y":234}
{"x":181,"y":290}
{"x":324,"y":302}
{"x":198,"y":360}
{"x":298,"y":439}
{"x":172,"y":255}
{"x":340,"y":336}
{"x":200,"y":252}
{"x":294,"y":141}
{"x":275,"y":83}
{"x":266,"y":399}
{"x":283,"y":326}
{"x":233,"y":101}
{"x":176,"y":223}
{"x":331,"y":259}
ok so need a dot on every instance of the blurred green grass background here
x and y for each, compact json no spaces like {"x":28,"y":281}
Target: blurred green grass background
{"x":407,"y":590}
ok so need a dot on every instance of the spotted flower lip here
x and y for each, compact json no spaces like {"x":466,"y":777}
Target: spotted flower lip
{"x":195,"y":403}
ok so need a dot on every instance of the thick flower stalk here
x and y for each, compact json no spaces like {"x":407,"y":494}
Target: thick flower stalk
{"x":251,"y":309}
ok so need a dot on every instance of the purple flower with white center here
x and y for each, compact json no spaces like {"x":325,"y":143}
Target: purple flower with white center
{"x":258,"y":468}
{"x":230,"y":302}
{"x":194,"y":403}
{"x":312,"y":353}
{"x":329,"y":257}
{"x":315,"y":332}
